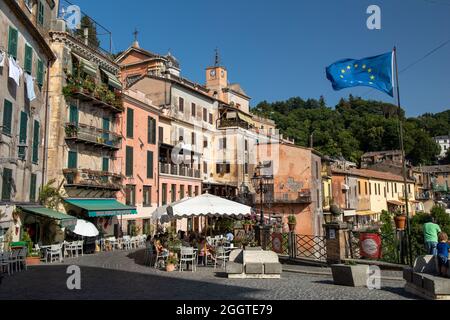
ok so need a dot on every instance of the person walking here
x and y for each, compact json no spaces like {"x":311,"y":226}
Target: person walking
{"x":431,"y":233}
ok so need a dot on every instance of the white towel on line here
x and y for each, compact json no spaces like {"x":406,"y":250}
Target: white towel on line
{"x":29,"y":80}
{"x":15,"y":71}
{"x":2,"y":59}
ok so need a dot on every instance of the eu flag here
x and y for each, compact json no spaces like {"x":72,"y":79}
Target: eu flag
{"x":375,"y":72}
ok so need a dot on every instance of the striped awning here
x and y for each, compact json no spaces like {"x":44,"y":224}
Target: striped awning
{"x":89,"y":67}
{"x":246,"y":118}
{"x":113,"y":81}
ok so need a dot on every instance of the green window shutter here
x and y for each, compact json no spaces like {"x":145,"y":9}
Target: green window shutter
{"x":72,"y":163}
{"x":149,"y":164}
{"x":28,"y":66}
{"x":40,"y":14}
{"x":40,"y":73}
{"x":6,"y":184}
{"x":151,"y":130}
{"x":105,"y":165}
{"x":23,"y":134}
{"x":12,"y":42}
{"x":130,"y":123}
{"x":36,"y":132}
{"x":33,"y":188}
{"x":73,"y":114}
{"x":7,"y":117}
{"x":129,"y":162}
{"x":106,"y":129}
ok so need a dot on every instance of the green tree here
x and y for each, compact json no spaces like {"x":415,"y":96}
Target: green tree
{"x":87,"y":23}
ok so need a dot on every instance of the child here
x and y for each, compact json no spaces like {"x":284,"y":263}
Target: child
{"x":443,"y":249}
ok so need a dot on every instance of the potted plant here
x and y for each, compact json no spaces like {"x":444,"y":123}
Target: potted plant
{"x":336,"y":212}
{"x":400,"y":220}
{"x":171,"y":264}
{"x":88,"y":86}
{"x":246,"y":225}
{"x":292,"y":222}
{"x":33,"y":258}
{"x":350,"y":274}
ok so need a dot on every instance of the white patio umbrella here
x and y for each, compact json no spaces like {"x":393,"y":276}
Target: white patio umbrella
{"x":84,"y":228}
{"x":207,"y":205}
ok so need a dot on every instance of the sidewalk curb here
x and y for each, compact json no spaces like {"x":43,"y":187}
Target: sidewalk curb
{"x":329,"y":274}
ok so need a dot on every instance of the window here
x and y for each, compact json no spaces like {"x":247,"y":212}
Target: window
{"x":40,"y":74}
{"x":365,"y":185}
{"x":131,"y":227}
{"x":23,"y":134}
{"x":12,"y":42}
{"x":395,"y":187}
{"x":190,"y":191}
{"x":246,"y":168}
{"x":205,"y":142}
{"x":130,"y":123}
{"x":387,"y":187}
{"x":151,"y":130}
{"x":73,"y":114}
{"x":73,"y":160}
{"x":359,"y":187}
{"x":196,"y":191}
{"x":36,"y":132}
{"x":193,"y":110}
{"x":223,"y":143}
{"x":161,"y":134}
{"x":370,"y":188}
{"x":105,"y":164}
{"x":205,"y":167}
{"x":182,"y":192}
{"x":40,"y":13}
{"x":149,"y":165}
{"x":164,"y":194}
{"x":193,"y":138}
{"x":223,"y":168}
{"x":379,"y":189}
{"x":246,"y":145}
{"x":28,"y":65}
{"x":205,"y":115}
{"x":173,"y":193}
{"x":33,"y":188}
{"x":210,"y":118}
{"x":181,"y":134}
{"x":6,"y":184}
{"x":181,"y":104}
{"x":317,"y":169}
{"x":7,"y":117}
{"x":29,"y":4}
{"x":129,"y":161}
{"x":147,"y":195}
{"x":130,"y":195}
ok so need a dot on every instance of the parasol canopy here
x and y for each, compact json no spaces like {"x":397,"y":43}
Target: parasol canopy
{"x":84,"y":228}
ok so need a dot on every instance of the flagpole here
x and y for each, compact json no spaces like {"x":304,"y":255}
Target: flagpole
{"x":402,"y":146}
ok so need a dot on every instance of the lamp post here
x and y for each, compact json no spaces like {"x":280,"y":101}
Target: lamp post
{"x":261,"y":185}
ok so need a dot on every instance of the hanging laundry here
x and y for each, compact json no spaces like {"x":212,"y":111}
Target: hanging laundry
{"x":2,"y":59}
{"x":29,"y":80}
{"x":15,"y":71}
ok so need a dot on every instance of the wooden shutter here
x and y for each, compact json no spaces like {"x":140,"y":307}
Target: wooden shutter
{"x":40,"y":73}
{"x":130,"y":123}
{"x":149,"y":164}
{"x":40,"y":14}
{"x":129,"y":162}
{"x":28,"y":65}
{"x":36,"y":141}
{"x":7,"y":117}
{"x":6,"y":184}
{"x":33,"y":188}
{"x":72,"y":163}
{"x":12,"y":42}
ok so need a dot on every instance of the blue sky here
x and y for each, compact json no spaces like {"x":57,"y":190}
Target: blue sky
{"x":279,"y":49}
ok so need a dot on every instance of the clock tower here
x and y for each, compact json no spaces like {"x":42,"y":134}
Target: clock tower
{"x":217,"y":78}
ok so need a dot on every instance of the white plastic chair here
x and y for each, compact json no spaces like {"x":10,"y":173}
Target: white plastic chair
{"x":221,"y":254}
{"x":188,"y":255}
{"x":14,"y":261}
{"x":4,"y":262}
{"x":55,"y":252}
{"x":80,"y":245}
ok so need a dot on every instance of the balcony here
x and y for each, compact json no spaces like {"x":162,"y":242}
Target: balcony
{"x":93,"y":136}
{"x":302,"y":197}
{"x":423,"y":196}
{"x":233,"y":123}
{"x":179,"y":170}
{"x":90,"y":179}
{"x":401,"y":195}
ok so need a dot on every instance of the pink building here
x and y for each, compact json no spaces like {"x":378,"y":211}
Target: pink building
{"x":139,"y":158}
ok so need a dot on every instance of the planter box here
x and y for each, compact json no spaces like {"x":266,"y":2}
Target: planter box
{"x":33,"y":261}
{"x":350,"y":276}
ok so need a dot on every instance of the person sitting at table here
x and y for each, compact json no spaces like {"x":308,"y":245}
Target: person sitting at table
{"x":160,"y":250}
{"x":204,"y":250}
{"x":229,"y":236}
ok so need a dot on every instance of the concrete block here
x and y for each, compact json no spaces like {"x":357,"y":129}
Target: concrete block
{"x":254,"y":268}
{"x":417,"y":279}
{"x":260,"y":257}
{"x":426,"y":264}
{"x":407,"y":274}
{"x":236,"y":256}
{"x":273,"y":268}
{"x":234,"y":268}
{"x":436,"y":285}
{"x":351,"y":276}
{"x":253,"y":249}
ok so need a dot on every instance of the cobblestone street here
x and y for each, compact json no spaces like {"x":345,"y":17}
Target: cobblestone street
{"x":116,"y":275}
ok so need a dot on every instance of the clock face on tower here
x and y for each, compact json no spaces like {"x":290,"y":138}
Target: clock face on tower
{"x":222,"y":73}
{"x":213,"y":73}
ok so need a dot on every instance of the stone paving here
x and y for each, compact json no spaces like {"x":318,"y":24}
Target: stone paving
{"x":120,"y":275}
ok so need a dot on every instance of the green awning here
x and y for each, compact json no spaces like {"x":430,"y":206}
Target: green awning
{"x":102,"y":207}
{"x":112,"y":80}
{"x":64,"y":219}
{"x":246,"y":118}
{"x":89,"y":67}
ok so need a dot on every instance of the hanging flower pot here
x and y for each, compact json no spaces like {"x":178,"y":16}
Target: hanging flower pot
{"x":400,"y":222}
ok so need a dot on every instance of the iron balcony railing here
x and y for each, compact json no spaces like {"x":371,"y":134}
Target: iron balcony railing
{"x":401,"y":195}
{"x":91,"y":179}
{"x":232,"y":123}
{"x":92,"y":135}
{"x":179,"y":170}
{"x":303,"y":196}
{"x":423,"y":196}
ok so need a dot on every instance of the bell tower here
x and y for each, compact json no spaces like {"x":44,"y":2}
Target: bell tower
{"x":217,"y":78}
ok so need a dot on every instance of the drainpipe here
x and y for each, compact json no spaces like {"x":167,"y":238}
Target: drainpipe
{"x":44,"y":160}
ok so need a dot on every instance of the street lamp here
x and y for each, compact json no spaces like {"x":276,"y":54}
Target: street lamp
{"x":261,"y":184}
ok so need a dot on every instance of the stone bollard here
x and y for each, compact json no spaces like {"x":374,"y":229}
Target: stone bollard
{"x":336,"y":242}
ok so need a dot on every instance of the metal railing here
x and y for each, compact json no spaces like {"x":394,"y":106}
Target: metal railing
{"x":311,"y":247}
{"x":303,"y":196}
{"x":231,"y":123}
{"x":179,"y":170}
{"x":85,"y":133}
{"x":85,"y":178}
